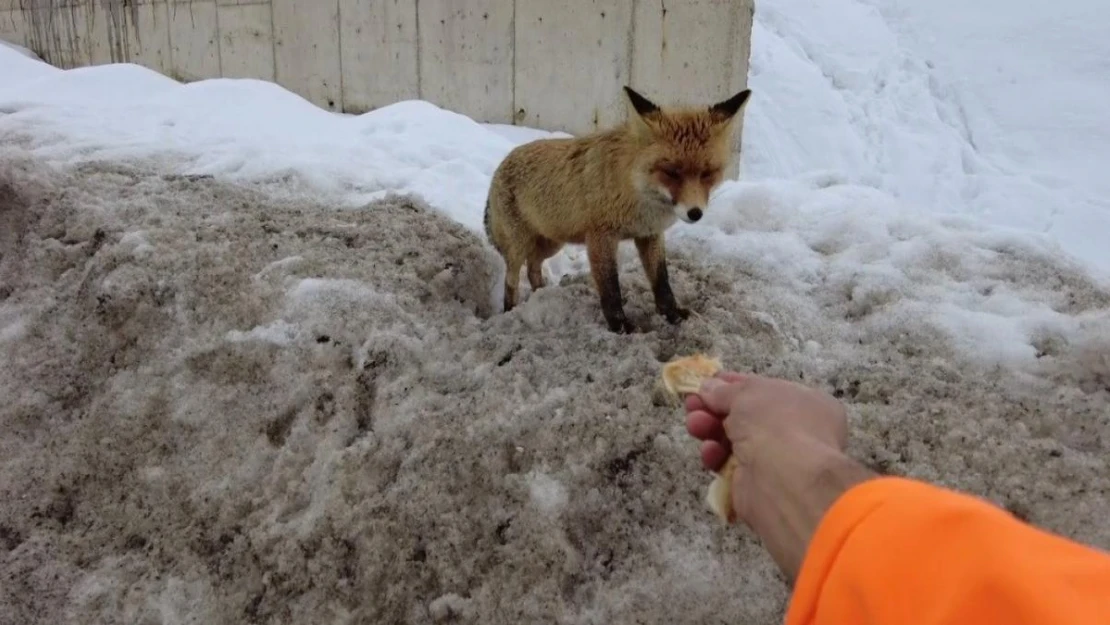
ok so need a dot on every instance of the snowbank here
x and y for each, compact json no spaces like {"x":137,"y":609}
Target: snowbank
{"x":224,"y":405}
{"x":252,"y":131}
{"x":20,"y":49}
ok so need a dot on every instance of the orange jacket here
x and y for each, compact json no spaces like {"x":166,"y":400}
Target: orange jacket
{"x":892,"y":551}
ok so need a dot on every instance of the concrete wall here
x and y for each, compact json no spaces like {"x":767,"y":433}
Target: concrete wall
{"x":552,"y":64}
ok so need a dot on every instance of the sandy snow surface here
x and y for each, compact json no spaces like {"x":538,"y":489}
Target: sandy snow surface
{"x":224,"y":406}
{"x":254,"y":370}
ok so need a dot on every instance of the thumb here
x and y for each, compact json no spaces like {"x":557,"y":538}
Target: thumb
{"x":719,"y":393}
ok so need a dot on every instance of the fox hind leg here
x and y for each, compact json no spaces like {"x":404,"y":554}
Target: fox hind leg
{"x":543,"y":248}
{"x":501,"y":230}
{"x":514,"y":260}
{"x":535,"y":275}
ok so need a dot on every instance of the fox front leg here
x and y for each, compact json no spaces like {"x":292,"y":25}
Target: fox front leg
{"x":601,"y":249}
{"x":653,"y":255}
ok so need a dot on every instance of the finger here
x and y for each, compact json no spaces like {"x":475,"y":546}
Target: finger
{"x":732,"y":376}
{"x":693,"y":402}
{"x":714,"y":455}
{"x":718,"y":394}
{"x":704,"y":426}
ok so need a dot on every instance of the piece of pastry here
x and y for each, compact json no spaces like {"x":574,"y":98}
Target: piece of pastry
{"x":684,"y":376}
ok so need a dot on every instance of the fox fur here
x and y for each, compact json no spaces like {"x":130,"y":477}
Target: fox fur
{"x":632,"y":181}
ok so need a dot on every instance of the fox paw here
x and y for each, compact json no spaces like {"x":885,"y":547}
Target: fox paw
{"x":676,"y":315}
{"x":621,"y":325}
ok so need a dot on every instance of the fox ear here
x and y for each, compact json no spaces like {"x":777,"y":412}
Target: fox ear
{"x":731,"y":106}
{"x":640,"y":104}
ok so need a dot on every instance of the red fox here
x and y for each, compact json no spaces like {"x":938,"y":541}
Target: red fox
{"x":632,"y":181}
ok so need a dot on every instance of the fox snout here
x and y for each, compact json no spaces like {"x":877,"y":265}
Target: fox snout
{"x":689,"y":214}
{"x":687,"y":192}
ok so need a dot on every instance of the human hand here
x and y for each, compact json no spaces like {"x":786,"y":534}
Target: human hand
{"x":788,"y":440}
{"x":765,"y":408}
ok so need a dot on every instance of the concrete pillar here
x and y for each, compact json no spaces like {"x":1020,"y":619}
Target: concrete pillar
{"x":572,"y":59}
{"x":246,"y":40}
{"x":136,"y":32}
{"x":466,"y":57}
{"x":12,"y":27}
{"x":58,"y":33}
{"x":306,"y":50}
{"x":378,"y":53}
{"x":194,"y":40}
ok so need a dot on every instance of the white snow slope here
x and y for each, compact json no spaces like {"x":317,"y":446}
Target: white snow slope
{"x":981,"y":108}
{"x":984,"y":108}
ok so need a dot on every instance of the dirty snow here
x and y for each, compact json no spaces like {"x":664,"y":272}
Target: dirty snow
{"x":288,"y":412}
{"x":254,"y":370}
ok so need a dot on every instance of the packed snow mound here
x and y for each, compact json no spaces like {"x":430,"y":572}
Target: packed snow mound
{"x":855,"y":249}
{"x":21,"y":50}
{"x":254,"y":131}
{"x":225,"y":405}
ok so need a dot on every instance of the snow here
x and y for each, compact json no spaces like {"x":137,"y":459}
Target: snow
{"x":919,"y":223}
{"x":27,"y":52}
{"x":546,"y":492}
{"x":253,"y":131}
{"x":811,"y":236}
{"x":981,"y":109}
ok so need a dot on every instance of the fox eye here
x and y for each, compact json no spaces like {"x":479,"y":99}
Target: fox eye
{"x":672,"y":173}
{"x":706,"y":175}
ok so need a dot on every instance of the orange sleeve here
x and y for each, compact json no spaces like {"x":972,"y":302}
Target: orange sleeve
{"x":893,"y":551}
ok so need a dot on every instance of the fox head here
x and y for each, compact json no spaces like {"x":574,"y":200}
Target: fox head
{"x":683,"y":152}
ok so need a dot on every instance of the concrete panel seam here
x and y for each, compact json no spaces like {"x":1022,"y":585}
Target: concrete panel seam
{"x":171,"y":65}
{"x":219,"y":42}
{"x":339,"y":51}
{"x":419,"y":55}
{"x":273,"y":42}
{"x":512,"y":79}
{"x":631,"y":47}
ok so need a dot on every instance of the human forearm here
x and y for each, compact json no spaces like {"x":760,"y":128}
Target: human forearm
{"x":787,"y":505}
